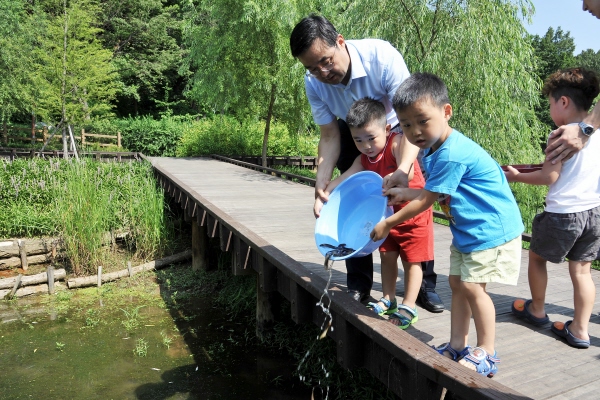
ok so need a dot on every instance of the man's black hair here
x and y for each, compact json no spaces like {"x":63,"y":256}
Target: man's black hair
{"x":364,"y":111}
{"x":311,"y":28}
{"x":418,"y":86}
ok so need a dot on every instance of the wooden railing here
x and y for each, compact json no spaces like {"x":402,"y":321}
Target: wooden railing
{"x":292,"y":161}
{"x":41,"y":135}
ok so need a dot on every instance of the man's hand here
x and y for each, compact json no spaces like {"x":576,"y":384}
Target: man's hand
{"x":399,"y":178}
{"x":380,"y":231}
{"x":511,"y":174}
{"x":317,"y":207}
{"x":396,"y":196}
{"x":564,"y":142}
{"x":320,"y":192}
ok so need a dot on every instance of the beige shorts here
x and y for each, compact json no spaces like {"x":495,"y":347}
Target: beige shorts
{"x":499,"y":264}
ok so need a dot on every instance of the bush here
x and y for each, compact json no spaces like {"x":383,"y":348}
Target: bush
{"x":227,"y":136}
{"x":146,"y":135}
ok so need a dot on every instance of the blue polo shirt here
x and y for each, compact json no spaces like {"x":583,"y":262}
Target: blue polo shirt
{"x":474,"y":194}
{"x":377,"y":71}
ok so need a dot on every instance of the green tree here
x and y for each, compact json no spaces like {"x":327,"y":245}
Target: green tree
{"x":146,"y":36}
{"x":240,"y":50}
{"x":589,"y":59}
{"x":553,"y":51}
{"x":73,"y":71}
{"x":478,"y":47}
{"x":16,"y":44}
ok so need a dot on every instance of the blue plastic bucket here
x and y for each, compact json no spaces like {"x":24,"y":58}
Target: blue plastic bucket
{"x":353,"y":210}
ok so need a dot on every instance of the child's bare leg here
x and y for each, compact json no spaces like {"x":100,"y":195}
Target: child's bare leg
{"x":389,"y":274}
{"x":538,"y":281}
{"x":413,"y":276}
{"x":460,"y":316}
{"x":484,"y":316}
{"x":584,"y":295}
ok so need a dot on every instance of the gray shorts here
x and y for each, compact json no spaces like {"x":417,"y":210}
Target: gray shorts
{"x":575,"y":236}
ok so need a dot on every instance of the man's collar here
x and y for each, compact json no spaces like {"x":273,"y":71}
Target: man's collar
{"x":358,"y":70}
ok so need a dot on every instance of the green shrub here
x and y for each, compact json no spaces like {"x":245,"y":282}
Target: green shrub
{"x":227,"y":136}
{"x":145,"y":134}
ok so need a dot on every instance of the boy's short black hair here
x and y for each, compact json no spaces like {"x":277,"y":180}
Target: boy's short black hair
{"x":578,"y":84}
{"x":418,"y":86}
{"x":364,"y":111}
{"x":308,"y":30}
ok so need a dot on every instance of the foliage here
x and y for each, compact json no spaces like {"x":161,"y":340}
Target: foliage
{"x":241,"y":138}
{"x":145,"y":134}
{"x":589,"y":59}
{"x":145,"y":36}
{"x":73,"y":72}
{"x":81,"y":201}
{"x":553,"y":51}
{"x":254,"y":76}
{"x":15,"y":62}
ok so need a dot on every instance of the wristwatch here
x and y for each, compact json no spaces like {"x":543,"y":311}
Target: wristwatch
{"x":586,"y":129}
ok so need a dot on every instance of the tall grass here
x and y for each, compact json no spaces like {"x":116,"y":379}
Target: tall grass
{"x":81,"y":201}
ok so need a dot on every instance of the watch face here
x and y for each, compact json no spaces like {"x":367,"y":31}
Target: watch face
{"x":586,"y":129}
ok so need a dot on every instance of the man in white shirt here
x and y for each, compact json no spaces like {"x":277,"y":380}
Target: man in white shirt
{"x":340,"y":72}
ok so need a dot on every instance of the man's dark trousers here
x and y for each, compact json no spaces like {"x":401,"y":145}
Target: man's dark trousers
{"x":360,"y":269}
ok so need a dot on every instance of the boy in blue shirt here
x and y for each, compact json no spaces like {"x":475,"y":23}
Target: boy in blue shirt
{"x":484,"y":217}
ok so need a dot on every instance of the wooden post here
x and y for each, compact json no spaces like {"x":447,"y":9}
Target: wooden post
{"x":53,"y":250}
{"x":241,"y":258}
{"x":82,"y":137}
{"x":199,"y":247}
{"x":45,"y":134}
{"x":50,"y":273}
{"x":129,"y":268}
{"x":15,"y":287}
{"x":119,"y":139}
{"x":5,"y":134}
{"x":265,"y":319}
{"x":99,"y":276}
{"x":23,"y":254}
{"x":32,"y":129}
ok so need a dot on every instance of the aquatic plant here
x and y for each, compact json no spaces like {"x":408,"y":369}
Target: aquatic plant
{"x":141,"y":347}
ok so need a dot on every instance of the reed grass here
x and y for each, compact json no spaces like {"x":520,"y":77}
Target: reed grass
{"x":81,"y":201}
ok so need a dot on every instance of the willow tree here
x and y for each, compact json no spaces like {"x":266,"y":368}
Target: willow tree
{"x":240,"y":52}
{"x":478,"y":47}
{"x":481,"y":50}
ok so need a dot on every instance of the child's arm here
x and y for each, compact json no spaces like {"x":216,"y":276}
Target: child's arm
{"x":405,"y":154}
{"x":356,"y":167}
{"x":423,"y":201}
{"x":543,"y":177}
{"x":398,"y":195}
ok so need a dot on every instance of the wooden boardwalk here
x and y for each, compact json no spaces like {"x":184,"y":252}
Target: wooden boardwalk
{"x":534,"y":362}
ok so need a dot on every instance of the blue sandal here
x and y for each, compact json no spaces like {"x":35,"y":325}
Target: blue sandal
{"x":485,"y":364}
{"x":404,"y":321}
{"x":456,"y":355}
{"x":392,"y":306}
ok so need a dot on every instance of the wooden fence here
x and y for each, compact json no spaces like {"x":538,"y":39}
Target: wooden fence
{"x":41,"y":135}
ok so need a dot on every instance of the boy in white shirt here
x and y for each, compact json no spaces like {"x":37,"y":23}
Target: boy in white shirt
{"x":569,"y":227}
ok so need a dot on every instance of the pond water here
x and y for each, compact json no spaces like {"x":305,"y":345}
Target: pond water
{"x":100,"y":345}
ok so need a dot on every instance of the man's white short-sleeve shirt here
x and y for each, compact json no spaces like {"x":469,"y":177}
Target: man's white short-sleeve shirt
{"x":377,"y":69}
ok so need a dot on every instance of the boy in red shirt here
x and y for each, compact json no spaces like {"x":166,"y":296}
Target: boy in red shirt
{"x":411,"y":240}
